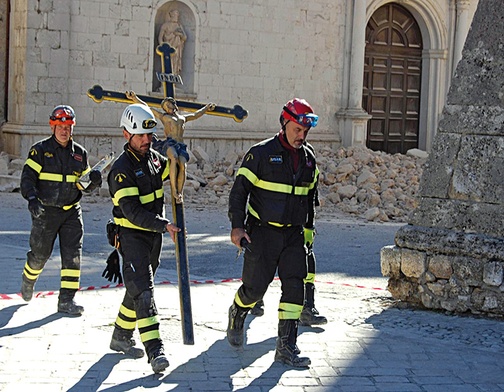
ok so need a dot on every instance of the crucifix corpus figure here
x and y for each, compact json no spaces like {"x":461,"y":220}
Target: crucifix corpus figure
{"x":173,"y":146}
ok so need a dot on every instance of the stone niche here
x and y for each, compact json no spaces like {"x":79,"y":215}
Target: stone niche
{"x":450,"y":256}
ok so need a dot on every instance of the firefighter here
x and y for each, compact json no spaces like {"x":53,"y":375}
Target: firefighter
{"x":136,"y":187}
{"x":48,"y":182}
{"x":270,"y":201}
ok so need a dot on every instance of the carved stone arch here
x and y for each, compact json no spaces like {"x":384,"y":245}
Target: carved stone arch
{"x":435,"y":62}
{"x":188,"y":20}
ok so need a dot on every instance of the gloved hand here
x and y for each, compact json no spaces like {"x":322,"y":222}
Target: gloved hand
{"x":112,"y":271}
{"x":95,"y":177}
{"x":35,"y":207}
{"x":309,"y":236}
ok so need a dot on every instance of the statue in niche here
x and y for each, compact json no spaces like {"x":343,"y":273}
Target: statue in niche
{"x":173,"y":33}
{"x":173,"y":146}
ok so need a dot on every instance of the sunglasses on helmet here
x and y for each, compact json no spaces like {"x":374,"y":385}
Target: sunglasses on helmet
{"x":149,"y":123}
{"x":306,"y":120}
{"x":62,"y":115}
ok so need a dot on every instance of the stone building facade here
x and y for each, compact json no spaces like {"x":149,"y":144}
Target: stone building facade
{"x":374,"y":70}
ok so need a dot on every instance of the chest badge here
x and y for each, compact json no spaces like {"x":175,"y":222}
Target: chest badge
{"x":275,"y":159}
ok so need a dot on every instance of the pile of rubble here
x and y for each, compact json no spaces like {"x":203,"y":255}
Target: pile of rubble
{"x":372,"y":185}
{"x":367,"y":184}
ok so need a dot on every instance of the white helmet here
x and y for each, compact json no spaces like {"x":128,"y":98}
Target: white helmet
{"x":138,"y":119}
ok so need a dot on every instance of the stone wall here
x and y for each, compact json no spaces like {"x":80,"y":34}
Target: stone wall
{"x":451,"y":255}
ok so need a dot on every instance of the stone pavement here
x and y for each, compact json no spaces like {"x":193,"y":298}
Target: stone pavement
{"x":371,"y":343}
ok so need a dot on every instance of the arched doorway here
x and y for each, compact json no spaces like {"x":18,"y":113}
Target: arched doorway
{"x":392,"y":79}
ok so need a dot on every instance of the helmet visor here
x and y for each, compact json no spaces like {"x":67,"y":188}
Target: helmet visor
{"x":307,"y":120}
{"x":149,"y":123}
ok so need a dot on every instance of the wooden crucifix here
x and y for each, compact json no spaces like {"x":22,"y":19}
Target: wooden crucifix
{"x":167,"y":79}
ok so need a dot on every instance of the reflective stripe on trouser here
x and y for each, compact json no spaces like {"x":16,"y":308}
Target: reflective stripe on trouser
{"x":140,"y":251}
{"x":274,"y":249}
{"x":126,"y":318}
{"x":68,"y":226}
{"x":310,"y":259}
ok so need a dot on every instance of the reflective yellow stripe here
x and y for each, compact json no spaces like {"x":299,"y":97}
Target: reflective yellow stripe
{"x":157,"y":194}
{"x":130,"y":325}
{"x":69,"y":285}
{"x":87,"y":170}
{"x":288,"y":311}
{"x":310,"y":278}
{"x":31,"y":270}
{"x":71,"y":273}
{"x":51,"y":177}
{"x":240,"y":303}
{"x":30,"y":276}
{"x":256,"y":215}
{"x":166,"y":171}
{"x":125,"y":192}
{"x":126,"y":223}
{"x":276,"y":187}
{"x":71,"y":178}
{"x":127,"y":312}
{"x":69,"y":206}
{"x":34,"y":165}
{"x":149,"y":335}
{"x":269,"y":186}
{"x":148,"y":321}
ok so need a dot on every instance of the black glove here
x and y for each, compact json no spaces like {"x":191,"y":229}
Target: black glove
{"x":112,"y":271}
{"x":35,"y":207}
{"x":95,"y":177}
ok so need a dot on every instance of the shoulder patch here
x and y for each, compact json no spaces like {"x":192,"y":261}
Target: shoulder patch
{"x":33,"y":152}
{"x":120,"y":177}
{"x":249,"y":157}
{"x":275,"y":159}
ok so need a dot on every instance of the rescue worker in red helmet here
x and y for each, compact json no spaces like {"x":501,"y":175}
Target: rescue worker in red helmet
{"x":48,"y":182}
{"x":136,"y":187}
{"x":310,"y":315}
{"x":269,"y":204}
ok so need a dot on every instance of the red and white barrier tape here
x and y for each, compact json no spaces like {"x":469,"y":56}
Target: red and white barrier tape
{"x":43,"y":294}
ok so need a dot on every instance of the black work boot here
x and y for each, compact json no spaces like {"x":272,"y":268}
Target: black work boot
{"x":122,"y":341}
{"x":158,"y":360}
{"x":236,"y":320}
{"x":27,"y":287}
{"x":70,"y":307}
{"x":286,"y":348}
{"x":258,"y":309}
{"x":310,"y":315}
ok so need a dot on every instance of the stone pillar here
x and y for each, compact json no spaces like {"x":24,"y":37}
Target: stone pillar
{"x":451,"y":254}
{"x":353,"y":119}
{"x":461,"y":28}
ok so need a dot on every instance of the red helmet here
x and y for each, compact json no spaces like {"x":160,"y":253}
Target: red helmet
{"x":62,"y":114}
{"x":299,"y":111}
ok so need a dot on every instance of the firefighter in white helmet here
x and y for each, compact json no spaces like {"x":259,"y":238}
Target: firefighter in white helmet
{"x":136,"y":187}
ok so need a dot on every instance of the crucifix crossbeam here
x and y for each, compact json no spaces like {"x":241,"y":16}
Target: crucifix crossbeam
{"x":98,"y":94}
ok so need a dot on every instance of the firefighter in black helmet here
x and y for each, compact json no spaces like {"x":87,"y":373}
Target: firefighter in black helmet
{"x":269,"y":204}
{"x":48,"y":182}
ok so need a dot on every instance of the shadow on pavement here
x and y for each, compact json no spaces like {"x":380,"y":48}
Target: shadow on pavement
{"x":98,"y":373}
{"x":23,"y":328}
